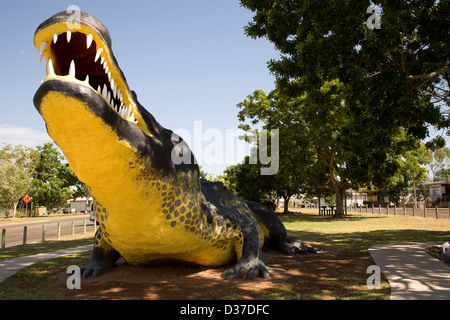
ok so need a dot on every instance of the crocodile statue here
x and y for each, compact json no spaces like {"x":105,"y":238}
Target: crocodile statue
{"x":149,"y":208}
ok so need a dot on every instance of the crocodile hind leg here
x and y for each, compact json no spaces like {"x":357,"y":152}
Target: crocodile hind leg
{"x":103,"y":257}
{"x":250,"y":264}
{"x":277,"y":236}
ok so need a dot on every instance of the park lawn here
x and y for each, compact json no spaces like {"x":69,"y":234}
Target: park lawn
{"x":359,"y":231}
{"x":36,"y":282}
{"x":47,"y":246}
{"x":342,"y":276}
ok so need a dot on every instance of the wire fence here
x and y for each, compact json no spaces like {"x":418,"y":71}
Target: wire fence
{"x":426,"y":212}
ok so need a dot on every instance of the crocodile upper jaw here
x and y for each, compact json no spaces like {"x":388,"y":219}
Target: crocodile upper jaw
{"x":82,"y":54}
{"x":85,"y":94}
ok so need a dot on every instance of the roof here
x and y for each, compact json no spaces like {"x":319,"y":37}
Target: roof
{"x":435,"y":182}
{"x":80,"y":199}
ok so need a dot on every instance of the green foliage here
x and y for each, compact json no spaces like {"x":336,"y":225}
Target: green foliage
{"x":356,"y":100}
{"x":410,"y":163}
{"x":17,"y":165}
{"x":311,"y":149}
{"x":244,"y":179}
{"x":439,"y":160}
{"x":52,"y":180}
{"x":398,"y":70}
{"x":296,"y":156}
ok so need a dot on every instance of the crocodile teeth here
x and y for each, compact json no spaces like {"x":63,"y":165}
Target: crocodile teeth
{"x":114,"y":91}
{"x":50,"y":67}
{"x":41,"y":50}
{"x":89,"y":39}
{"x":72,"y":68}
{"x":105,"y":91}
{"x":109,"y":89}
{"x":97,"y":55}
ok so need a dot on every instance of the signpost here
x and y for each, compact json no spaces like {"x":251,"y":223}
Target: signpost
{"x":27,"y":199}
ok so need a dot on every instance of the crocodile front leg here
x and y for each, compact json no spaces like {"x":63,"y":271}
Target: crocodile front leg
{"x":103,"y":258}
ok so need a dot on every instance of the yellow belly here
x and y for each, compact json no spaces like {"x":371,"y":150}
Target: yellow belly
{"x":145,"y":218}
{"x":145,"y":239}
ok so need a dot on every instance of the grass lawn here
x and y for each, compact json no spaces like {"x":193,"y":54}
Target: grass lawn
{"x":47,"y":246}
{"x":359,"y":231}
{"x":339,"y":276}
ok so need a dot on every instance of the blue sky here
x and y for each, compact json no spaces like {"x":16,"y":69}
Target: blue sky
{"x":188,"y":61}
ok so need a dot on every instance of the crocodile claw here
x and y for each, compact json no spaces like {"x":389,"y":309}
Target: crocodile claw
{"x":247,"y":269}
{"x":93,"y":269}
{"x":101,"y":261}
{"x":293,"y":245}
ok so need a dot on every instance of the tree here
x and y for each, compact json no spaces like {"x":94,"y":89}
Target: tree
{"x":439,"y":159}
{"x":411,"y":168}
{"x":394,"y":73}
{"x":293,"y":154}
{"x":352,"y":90}
{"x":52,"y":180}
{"x":12,"y":185}
{"x":244,"y":179}
{"x":17,"y":165}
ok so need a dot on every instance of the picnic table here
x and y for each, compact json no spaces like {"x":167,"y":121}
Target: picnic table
{"x":326,"y":210}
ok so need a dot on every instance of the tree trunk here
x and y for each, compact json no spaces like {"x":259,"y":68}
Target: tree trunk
{"x":286,"y":203}
{"x":15,"y":203}
{"x":340,"y":194}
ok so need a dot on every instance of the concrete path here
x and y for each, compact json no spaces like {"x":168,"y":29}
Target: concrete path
{"x":412,"y":273}
{"x":10,"y":267}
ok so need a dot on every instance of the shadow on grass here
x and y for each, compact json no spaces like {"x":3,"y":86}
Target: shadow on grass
{"x":362,"y":241}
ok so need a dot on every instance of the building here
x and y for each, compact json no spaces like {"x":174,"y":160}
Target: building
{"x":356,"y":198}
{"x":439,"y":192}
{"x":80,"y":205}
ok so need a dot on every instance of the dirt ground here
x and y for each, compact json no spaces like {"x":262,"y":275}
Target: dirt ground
{"x":329,"y":274}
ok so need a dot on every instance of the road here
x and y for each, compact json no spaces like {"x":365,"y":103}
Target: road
{"x":14,"y":232}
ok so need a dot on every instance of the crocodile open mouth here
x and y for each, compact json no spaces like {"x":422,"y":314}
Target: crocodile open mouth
{"x":82,"y":55}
